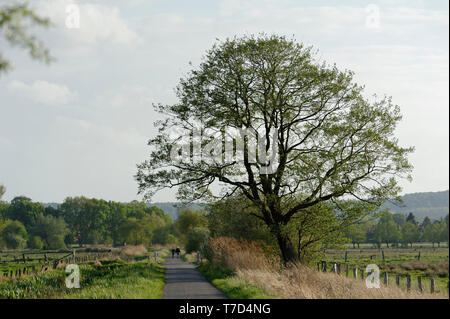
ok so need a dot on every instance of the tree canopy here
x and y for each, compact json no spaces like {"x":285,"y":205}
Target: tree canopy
{"x":329,"y":141}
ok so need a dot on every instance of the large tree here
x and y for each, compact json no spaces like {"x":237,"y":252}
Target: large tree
{"x":86,"y":218}
{"x":24,"y":210}
{"x":330,"y":142}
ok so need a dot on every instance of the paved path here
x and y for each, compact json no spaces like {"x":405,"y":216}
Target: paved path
{"x":183,"y":281}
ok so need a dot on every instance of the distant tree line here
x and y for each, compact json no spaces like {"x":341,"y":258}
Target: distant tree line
{"x":399,"y":229}
{"x":80,"y":220}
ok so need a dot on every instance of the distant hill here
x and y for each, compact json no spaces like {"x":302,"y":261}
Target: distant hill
{"x":431,"y":204}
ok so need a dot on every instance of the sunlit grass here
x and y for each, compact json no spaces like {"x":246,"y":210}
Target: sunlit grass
{"x":109,"y":279}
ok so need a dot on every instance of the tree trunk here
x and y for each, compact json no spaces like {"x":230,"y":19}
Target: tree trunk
{"x":286,"y":248}
{"x":299,"y":250}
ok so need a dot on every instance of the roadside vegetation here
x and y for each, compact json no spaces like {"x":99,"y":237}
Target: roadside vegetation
{"x":232,"y":261}
{"x":140,"y":277}
{"x":101,"y":280}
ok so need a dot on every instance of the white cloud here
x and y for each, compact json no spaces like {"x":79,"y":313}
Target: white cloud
{"x":42,"y":92}
{"x":98,"y":23}
{"x":86,"y":134}
{"x":133,"y":96}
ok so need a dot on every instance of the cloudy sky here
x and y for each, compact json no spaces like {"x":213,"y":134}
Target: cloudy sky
{"x":80,"y":125}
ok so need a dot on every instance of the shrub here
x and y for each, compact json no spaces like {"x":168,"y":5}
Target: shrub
{"x":36,"y":243}
{"x":234,"y":254}
{"x":196,"y":239}
{"x":14,"y":235}
{"x":56,"y":242}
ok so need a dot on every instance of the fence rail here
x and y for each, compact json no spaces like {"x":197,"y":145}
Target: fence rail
{"x":337,"y":268}
{"x":50,"y":260}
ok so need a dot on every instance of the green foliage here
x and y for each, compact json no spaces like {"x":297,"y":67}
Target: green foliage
{"x":190,"y":219}
{"x":197,"y":238}
{"x":2,"y":191}
{"x":387,"y":231}
{"x":324,"y":226}
{"x":36,"y":243}
{"x":13,"y":234}
{"x":235,"y":217}
{"x":410,"y":233}
{"x":15,"y":20}
{"x":109,"y":280}
{"x":332,"y":140}
{"x":357,"y":233}
{"x":400,"y":219}
{"x":52,"y":231}
{"x":411,"y":219}
{"x":135,"y":232}
{"x":24,"y":210}
{"x":4,"y":206}
{"x":86,"y":217}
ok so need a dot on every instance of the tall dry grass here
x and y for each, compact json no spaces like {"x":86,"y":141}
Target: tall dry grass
{"x":133,"y":250}
{"x":249,"y":262}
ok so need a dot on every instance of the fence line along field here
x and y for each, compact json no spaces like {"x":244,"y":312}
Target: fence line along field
{"x":126,"y":272}
{"x":28,"y":262}
{"x":427,"y":268}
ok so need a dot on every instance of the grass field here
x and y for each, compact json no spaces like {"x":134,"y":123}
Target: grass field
{"x":140,"y":278}
{"x":104,"y":279}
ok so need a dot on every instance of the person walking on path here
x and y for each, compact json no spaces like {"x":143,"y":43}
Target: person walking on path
{"x":178,"y":252}
{"x":173,"y":252}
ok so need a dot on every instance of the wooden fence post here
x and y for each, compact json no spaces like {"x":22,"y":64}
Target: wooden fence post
{"x":382,"y":254}
{"x":23,"y":257}
{"x":408,"y":282}
{"x":397,"y":280}
{"x":419,"y":283}
{"x":345,"y":257}
{"x":338,"y":268}
{"x":324,"y":266}
{"x":355,"y":272}
{"x":362,"y":274}
{"x":385,"y":278}
{"x":318,"y":266}
{"x":346,"y":270}
{"x":418,"y":256}
{"x":432,"y":285}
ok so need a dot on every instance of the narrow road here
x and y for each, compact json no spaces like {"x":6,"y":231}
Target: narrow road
{"x":183,"y":281}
